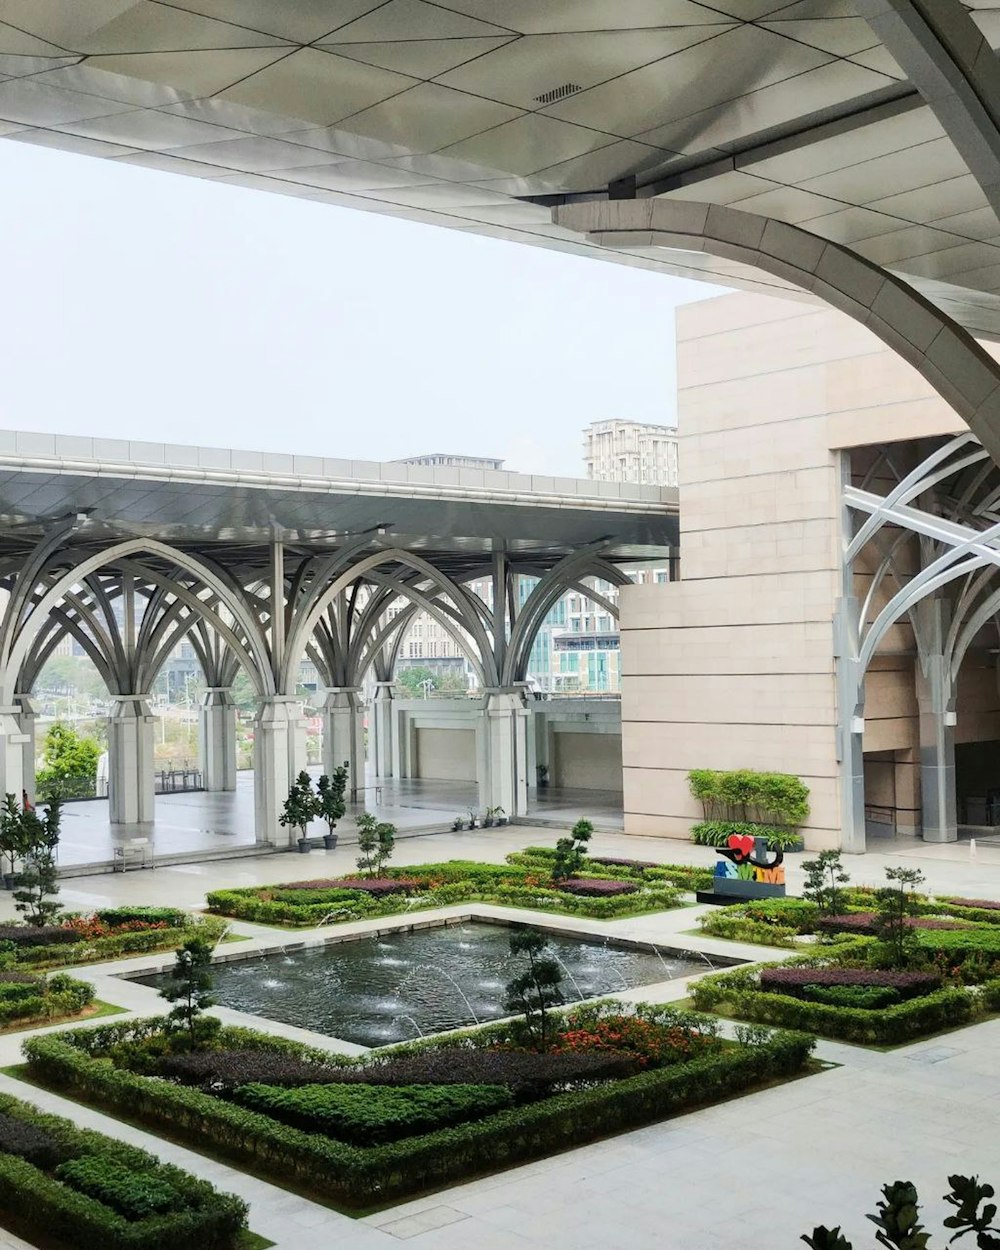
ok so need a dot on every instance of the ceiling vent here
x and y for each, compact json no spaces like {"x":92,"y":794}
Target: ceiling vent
{"x":558,"y":93}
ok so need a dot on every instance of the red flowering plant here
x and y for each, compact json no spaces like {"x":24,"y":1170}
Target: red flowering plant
{"x":655,"y":1036}
{"x":88,"y":928}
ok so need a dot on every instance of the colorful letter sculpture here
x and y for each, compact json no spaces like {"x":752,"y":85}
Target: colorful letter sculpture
{"x":745,"y":870}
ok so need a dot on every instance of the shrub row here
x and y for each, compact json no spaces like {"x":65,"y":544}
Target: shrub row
{"x":907,"y":984}
{"x":741,"y":995}
{"x":44,"y":1207}
{"x":375,"y":886}
{"x":117,"y":945}
{"x":867,"y":923}
{"x":742,"y":928}
{"x":361,"y":1176}
{"x":26,"y":1001}
{"x":593,"y":887}
{"x":135,"y":1195}
{"x":173,"y":917}
{"x":683,"y":876}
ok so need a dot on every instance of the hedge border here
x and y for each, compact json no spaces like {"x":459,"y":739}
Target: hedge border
{"x":43,"y":1206}
{"x":360,"y":1177}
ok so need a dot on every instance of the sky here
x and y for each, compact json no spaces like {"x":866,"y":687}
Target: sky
{"x":142,"y":304}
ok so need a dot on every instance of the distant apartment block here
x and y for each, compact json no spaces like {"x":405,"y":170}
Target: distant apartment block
{"x":631,"y":451}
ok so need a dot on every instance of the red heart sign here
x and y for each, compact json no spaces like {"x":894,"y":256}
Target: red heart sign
{"x":742,"y":843}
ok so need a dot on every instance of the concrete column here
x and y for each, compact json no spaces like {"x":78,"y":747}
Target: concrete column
{"x":12,"y":751}
{"x":277,"y":760}
{"x":130,"y":760}
{"x":935,"y":699}
{"x":344,"y":735}
{"x":503,"y":756}
{"x":26,"y":719}
{"x":850,"y":728}
{"x":217,"y":739}
{"x":383,"y":726}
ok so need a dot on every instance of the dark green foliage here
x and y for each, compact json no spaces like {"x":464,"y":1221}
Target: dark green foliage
{"x":300,"y":806}
{"x":135,"y":1195}
{"x":571,"y":852}
{"x":966,"y":1196}
{"x":45,"y":1207}
{"x":330,"y":790}
{"x":39,"y":879}
{"x":718,"y":833}
{"x":537,"y":989}
{"x":23,"y":935}
{"x":825,"y":879}
{"x":359,"y":1176}
{"x":376,"y":842}
{"x":867,"y":997}
{"x":896,"y":903}
{"x":171,"y":916}
{"x":28,"y":1141}
{"x":368,"y":1115}
{"x":189,"y":989}
{"x":70,"y":767}
{"x":737,"y":926}
{"x":898,"y":1218}
{"x":745,"y":795}
{"x":826,"y":1239}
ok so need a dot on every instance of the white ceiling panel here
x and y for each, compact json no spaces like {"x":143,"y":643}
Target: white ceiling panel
{"x":421,"y":58}
{"x":194,"y":73}
{"x":723,"y":189}
{"x":16,"y":42}
{"x":415,"y":19}
{"x":251,"y":153}
{"x":942,"y":199}
{"x":530,"y":143}
{"x":146,"y":26}
{"x":850,"y":225}
{"x":789,"y":204}
{"x":947,"y":262}
{"x":710,"y":73}
{"x":890,"y":249}
{"x":920,"y":166}
{"x":843,"y":36}
{"x":301,"y":21}
{"x":350,"y":175}
{"x":318,"y":86}
{"x":34,"y":104}
{"x":172,"y":165}
{"x":880,"y":59}
{"x":31,"y":66}
{"x":146,"y":128}
{"x":71,"y":143}
{"x":594,"y":170}
{"x":429,"y":117}
{"x":66,"y":25}
{"x":537,"y":17}
{"x":522,"y":71}
{"x":981,"y":223}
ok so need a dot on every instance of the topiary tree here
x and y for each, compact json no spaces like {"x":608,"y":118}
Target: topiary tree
{"x":824,"y":877}
{"x":572,"y":851}
{"x":536,"y":989}
{"x":39,"y":839}
{"x":300,"y":806}
{"x":896,"y":903}
{"x":376,"y":842}
{"x":189,"y":988}
{"x":330,"y":791}
{"x":897,"y":1218}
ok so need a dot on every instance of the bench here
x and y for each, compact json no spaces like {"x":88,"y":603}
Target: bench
{"x":137,"y":851}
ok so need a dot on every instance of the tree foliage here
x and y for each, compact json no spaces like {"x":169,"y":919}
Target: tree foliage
{"x":376,"y":842}
{"x":37,"y":838}
{"x":300,"y":806}
{"x":189,"y":989}
{"x":571,"y":851}
{"x":825,"y":875}
{"x":330,"y":791}
{"x":70,"y":762}
{"x":896,"y":903}
{"x":536,"y":989}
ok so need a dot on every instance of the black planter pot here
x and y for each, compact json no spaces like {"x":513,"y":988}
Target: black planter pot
{"x":471,"y":824}
{"x":488,"y":822}
{"x":304,"y":847}
{"x":11,"y":880}
{"x":330,"y":841}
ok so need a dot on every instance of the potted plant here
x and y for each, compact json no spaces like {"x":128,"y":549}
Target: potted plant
{"x":13,"y":840}
{"x":501,"y":815}
{"x":543,"y":774}
{"x":488,"y":819}
{"x":457,"y":824}
{"x":330,"y":804}
{"x":299,"y":809}
{"x":473,"y":821}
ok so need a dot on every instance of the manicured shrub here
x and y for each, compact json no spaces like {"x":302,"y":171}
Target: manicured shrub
{"x":867,"y":997}
{"x":960,"y":944}
{"x":725,"y":922}
{"x":983,"y":904}
{"x":29,"y":1142}
{"x":653,"y":1045}
{"x":359,"y":1176}
{"x":135,"y":1195}
{"x":114,"y":917}
{"x":592,"y":887}
{"x":23,"y":935}
{"x":366,"y":1115}
{"x":792,"y":980}
{"x":867,"y":923}
{"x":608,"y":861}
{"x":375,"y":886}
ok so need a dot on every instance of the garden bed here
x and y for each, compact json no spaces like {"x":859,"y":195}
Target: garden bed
{"x":28,"y":1000}
{"x":113,"y":933}
{"x":65,"y":1186}
{"x":598,"y":891}
{"x":360,"y":1133}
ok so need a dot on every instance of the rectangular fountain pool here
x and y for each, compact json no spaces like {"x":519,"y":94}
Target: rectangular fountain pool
{"x":378,"y":990}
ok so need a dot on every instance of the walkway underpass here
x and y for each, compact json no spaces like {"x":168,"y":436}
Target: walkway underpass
{"x":127,"y":556}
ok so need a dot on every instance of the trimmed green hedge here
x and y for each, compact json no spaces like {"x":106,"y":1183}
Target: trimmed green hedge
{"x":738,"y":993}
{"x":120,"y":945}
{"x":742,"y":928}
{"x":42,"y":1205}
{"x":365,"y":1176}
{"x":684,"y":876}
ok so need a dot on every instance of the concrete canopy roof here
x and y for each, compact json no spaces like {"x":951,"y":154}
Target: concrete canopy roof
{"x":479,"y":115}
{"x":231,"y":504}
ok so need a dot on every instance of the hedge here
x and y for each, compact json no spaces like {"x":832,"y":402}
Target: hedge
{"x":683,"y":876}
{"x":364,"y":1176}
{"x":119,"y":945}
{"x":43,"y":1207}
{"x":741,"y":995}
{"x":741,"y":928}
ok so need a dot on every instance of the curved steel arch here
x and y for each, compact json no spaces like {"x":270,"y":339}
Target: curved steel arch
{"x":943,"y":352}
{"x":14,"y":645}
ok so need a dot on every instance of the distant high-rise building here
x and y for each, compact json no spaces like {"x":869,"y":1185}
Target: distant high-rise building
{"x":617,"y":450}
{"x":445,"y":460}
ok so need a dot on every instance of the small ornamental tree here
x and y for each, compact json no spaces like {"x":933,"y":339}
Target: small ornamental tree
{"x":897,"y":1218}
{"x":189,"y":989}
{"x":40,"y":837}
{"x":824,"y":877}
{"x":14,"y":843}
{"x":537,"y":988}
{"x":571,"y":851}
{"x":70,"y":763}
{"x":896,"y":903}
{"x":376,"y":842}
{"x":330,"y":791}
{"x":300,"y":806}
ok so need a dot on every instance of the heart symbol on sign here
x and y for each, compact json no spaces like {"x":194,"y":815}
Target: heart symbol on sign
{"x":741,"y":843}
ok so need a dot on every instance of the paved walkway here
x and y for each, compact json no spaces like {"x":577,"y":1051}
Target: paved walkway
{"x":753,"y":1173}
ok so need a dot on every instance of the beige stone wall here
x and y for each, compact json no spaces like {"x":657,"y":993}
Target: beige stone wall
{"x":733,"y":665}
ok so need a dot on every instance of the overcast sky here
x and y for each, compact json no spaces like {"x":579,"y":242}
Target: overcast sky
{"x":142,"y":304}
